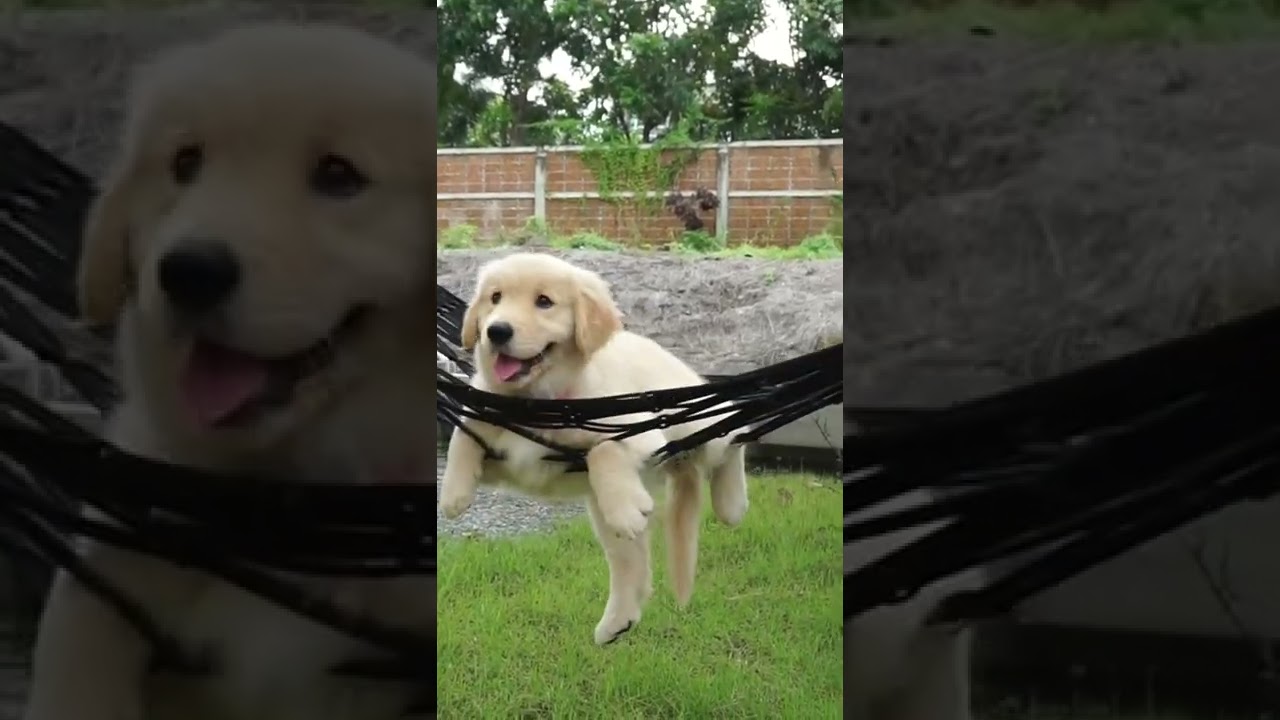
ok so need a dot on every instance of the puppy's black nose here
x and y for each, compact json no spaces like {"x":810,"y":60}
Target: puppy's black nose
{"x":499,"y":332}
{"x":198,"y":276}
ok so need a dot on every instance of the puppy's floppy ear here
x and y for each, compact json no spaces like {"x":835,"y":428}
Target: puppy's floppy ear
{"x":103,"y":275}
{"x":596,"y":317}
{"x":471,"y":322}
{"x":471,"y":319}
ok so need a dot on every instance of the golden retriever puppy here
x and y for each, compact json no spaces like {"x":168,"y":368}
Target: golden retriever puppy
{"x":541,"y":327}
{"x":264,"y":246}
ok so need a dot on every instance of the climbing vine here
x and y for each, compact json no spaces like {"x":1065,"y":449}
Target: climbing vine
{"x":635,"y":178}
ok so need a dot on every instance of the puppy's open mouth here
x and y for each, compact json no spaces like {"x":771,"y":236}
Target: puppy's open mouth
{"x":510,"y":369}
{"x":222,"y":386}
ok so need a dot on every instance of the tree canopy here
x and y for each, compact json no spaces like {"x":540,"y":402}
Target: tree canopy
{"x":647,"y":69}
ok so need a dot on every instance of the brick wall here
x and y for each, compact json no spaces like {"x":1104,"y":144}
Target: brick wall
{"x":774,"y":177}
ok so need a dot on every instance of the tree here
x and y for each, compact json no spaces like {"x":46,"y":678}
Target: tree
{"x":502,"y":40}
{"x":760,"y":98}
{"x":652,"y":63}
{"x":650,"y":67}
{"x":460,"y":102}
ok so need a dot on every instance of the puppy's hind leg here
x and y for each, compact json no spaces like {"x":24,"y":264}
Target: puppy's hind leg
{"x":684,"y":511}
{"x":629,"y":574}
{"x":729,"y":486}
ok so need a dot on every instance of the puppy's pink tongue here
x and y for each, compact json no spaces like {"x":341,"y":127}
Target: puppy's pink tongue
{"x":218,"y":381}
{"x":506,"y":367}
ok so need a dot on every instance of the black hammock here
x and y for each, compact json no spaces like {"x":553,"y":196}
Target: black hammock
{"x":1042,"y":482}
{"x":748,"y":405}
{"x":245,"y":530}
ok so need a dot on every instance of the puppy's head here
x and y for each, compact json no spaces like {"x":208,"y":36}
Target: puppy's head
{"x":267,"y":220}
{"x":536,"y":317}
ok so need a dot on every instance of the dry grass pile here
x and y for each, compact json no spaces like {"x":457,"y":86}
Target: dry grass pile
{"x":1019,"y":209}
{"x":721,"y":315}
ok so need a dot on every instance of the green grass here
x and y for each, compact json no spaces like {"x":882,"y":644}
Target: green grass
{"x":1124,"y":21}
{"x":761,"y":639}
{"x":826,"y":245}
{"x":823,"y":246}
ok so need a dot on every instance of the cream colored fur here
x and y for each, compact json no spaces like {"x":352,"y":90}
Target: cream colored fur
{"x":264,"y":104}
{"x":896,"y":666}
{"x":551,"y":303}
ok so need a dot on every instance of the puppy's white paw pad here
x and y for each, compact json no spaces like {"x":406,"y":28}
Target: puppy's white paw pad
{"x":731,"y":511}
{"x":729,"y":500}
{"x":611,"y":628}
{"x":454,"y":504}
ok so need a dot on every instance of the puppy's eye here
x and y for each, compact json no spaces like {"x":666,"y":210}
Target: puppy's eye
{"x":185,"y":164}
{"x":543,"y":302}
{"x":495,"y":298}
{"x":337,"y":177}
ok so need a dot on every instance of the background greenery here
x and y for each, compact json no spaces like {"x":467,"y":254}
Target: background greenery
{"x":652,"y":67}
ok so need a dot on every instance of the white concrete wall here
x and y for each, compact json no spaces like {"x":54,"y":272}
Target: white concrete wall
{"x":821,"y":429}
{"x":1168,"y":585}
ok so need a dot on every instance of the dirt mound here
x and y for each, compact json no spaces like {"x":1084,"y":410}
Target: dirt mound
{"x":62,"y":74}
{"x":720,"y":315}
{"x":1017,"y":210}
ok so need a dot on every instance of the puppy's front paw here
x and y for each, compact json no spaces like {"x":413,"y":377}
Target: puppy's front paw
{"x":455,"y":499}
{"x":627,"y":512}
{"x":616,"y":623}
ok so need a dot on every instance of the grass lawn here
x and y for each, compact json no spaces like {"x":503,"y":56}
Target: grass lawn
{"x":823,"y":246}
{"x":761,"y":639}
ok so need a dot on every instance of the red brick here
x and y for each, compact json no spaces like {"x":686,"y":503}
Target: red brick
{"x":775,"y":221}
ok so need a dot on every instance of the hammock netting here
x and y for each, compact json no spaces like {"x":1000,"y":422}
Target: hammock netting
{"x":1047,"y":480}
{"x":747,"y":406}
